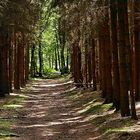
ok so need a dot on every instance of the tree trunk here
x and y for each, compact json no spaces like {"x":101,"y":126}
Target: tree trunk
{"x":33,"y":65}
{"x":4,"y":73}
{"x":27,"y":56}
{"x":107,"y":53}
{"x":40,"y":60}
{"x":102,"y":67}
{"x":93,"y":63}
{"x":124,"y":99}
{"x":129,"y":64}
{"x":56,"y":64}
{"x":114,"y":46}
{"x":67,"y":59}
{"x":62,"y":57}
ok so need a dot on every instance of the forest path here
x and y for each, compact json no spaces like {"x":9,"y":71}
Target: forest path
{"x":48,"y":114}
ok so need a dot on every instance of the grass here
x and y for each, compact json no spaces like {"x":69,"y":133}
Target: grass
{"x":107,"y":123}
{"x":5,"y":129}
{"x":9,"y":109}
{"x":7,"y":134}
{"x":94,"y":107}
{"x":6,"y":123}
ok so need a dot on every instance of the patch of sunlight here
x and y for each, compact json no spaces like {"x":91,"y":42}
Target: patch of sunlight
{"x":99,"y":119}
{"x":97,"y":107}
{"x":89,"y":108}
{"x":132,"y":128}
{"x":21,"y":96}
{"x":12,"y":106}
{"x":137,"y":105}
{"x":54,"y":85}
{"x":71,"y":119}
{"x":43,"y":125}
{"x":89,"y":103}
{"x":115,"y":130}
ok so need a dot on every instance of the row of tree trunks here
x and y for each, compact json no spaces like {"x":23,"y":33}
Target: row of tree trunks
{"x":13,"y":73}
{"x":76,"y":66}
{"x":110,"y":56}
{"x":123,"y":76}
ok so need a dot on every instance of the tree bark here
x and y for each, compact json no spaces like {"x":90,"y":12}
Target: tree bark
{"x":40,"y":53}
{"x":124,"y":99}
{"x":114,"y":46}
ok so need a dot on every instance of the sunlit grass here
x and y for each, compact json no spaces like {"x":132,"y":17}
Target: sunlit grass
{"x":96,"y":107}
{"x":9,"y":106}
{"x":7,"y":134}
{"x":12,"y":106}
{"x":5,"y":129}
{"x":6,"y":123}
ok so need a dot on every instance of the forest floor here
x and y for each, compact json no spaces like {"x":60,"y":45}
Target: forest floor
{"x":55,"y":110}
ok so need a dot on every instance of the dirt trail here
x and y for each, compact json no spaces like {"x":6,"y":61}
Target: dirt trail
{"x":49,"y":115}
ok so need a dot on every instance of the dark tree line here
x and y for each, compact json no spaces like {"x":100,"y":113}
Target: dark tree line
{"x":17,"y":22}
{"x":104,"y":40}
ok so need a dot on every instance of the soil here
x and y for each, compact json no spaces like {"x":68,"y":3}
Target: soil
{"x":52,"y":111}
{"x":49,"y":115}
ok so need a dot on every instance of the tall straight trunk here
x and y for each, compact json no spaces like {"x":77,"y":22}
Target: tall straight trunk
{"x":136,"y":49}
{"x":56,"y":64}
{"x":115,"y":65}
{"x":40,"y":53}
{"x":67,"y":59}
{"x":78,"y":63}
{"x":16,"y":65}
{"x":97,"y":64}
{"x":27,"y":56}
{"x":59,"y":60}
{"x":21,"y":62}
{"x":124,"y":99}
{"x":102,"y":67}
{"x":57,"y":50}
{"x":74,"y":62}
{"x":62,"y":57}
{"x":107,"y":53}
{"x":33,"y":63}
{"x":129,"y":64}
{"x":93,"y":63}
{"x":89,"y":67}
{"x":86,"y":63}
{"x":4,"y":73}
{"x":11,"y":62}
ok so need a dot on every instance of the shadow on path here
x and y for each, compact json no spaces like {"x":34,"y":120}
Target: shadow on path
{"x":49,"y":115}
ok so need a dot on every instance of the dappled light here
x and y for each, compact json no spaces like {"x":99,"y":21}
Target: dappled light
{"x":69,"y":69}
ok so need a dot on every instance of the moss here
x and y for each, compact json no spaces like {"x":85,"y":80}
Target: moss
{"x":97,"y":107}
